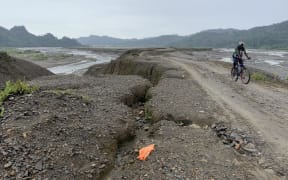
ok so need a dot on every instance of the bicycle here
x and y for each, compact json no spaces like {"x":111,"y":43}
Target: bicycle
{"x":241,"y":72}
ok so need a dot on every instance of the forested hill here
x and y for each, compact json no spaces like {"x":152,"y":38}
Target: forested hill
{"x":159,"y":41}
{"x":18,"y":36}
{"x":273,"y":36}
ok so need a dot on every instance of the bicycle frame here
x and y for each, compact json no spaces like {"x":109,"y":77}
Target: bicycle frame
{"x":241,"y":72}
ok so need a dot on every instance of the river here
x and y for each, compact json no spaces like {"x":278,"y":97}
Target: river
{"x":77,"y":61}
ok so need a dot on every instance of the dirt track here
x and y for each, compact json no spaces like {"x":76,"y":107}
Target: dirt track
{"x":263,"y":107}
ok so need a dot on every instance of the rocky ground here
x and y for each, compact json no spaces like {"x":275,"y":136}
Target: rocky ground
{"x":203,"y":125}
{"x":190,"y":95}
{"x":68,"y":129}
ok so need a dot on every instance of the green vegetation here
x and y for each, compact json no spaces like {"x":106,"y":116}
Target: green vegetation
{"x":266,"y":37}
{"x":17,"y":88}
{"x":25,"y":54}
{"x":148,"y":112}
{"x":4,"y":55}
{"x":148,"y":96}
{"x":2,"y":110}
{"x":33,"y":54}
{"x":86,"y":99}
{"x":156,"y":76}
{"x":60,"y":92}
{"x":258,"y":76}
{"x":8,"y":50}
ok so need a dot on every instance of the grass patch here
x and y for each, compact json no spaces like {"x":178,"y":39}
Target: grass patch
{"x":11,"y":51}
{"x":60,"y":92}
{"x":17,"y":88}
{"x":2,"y":110}
{"x":34,"y":55}
{"x":148,"y":96}
{"x":258,"y":76}
{"x":86,"y":99}
{"x":25,"y":54}
{"x":156,"y":76}
{"x":148,"y":112}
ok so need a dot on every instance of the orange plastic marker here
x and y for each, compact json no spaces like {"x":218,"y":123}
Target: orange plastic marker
{"x":145,"y":151}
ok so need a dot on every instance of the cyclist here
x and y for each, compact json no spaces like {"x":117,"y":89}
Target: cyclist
{"x":238,"y":53}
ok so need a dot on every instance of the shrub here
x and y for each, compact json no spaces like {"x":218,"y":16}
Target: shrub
{"x":258,"y":76}
{"x":17,"y":88}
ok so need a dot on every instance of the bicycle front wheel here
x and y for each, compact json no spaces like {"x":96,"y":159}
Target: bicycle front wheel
{"x":245,"y":76}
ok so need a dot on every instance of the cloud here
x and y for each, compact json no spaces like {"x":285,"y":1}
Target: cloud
{"x":138,"y":18}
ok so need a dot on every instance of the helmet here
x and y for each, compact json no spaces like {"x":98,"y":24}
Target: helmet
{"x":241,"y":43}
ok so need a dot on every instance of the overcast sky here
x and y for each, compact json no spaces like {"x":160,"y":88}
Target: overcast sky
{"x":138,"y":18}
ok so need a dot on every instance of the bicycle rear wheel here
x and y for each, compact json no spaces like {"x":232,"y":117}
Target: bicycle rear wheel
{"x":245,"y":76}
{"x":234,"y":76}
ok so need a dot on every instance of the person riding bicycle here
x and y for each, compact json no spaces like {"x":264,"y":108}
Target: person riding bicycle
{"x":238,"y":53}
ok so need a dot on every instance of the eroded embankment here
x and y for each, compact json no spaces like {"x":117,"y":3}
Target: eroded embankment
{"x":68,"y":129}
{"x":177,"y":119}
{"x":12,"y":69}
{"x":135,"y":62}
{"x":145,"y":67}
{"x":171,"y":93}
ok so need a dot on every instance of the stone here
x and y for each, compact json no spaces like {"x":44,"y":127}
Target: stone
{"x":141,"y":112}
{"x":137,"y":118}
{"x":8,"y":165}
{"x":270,"y":171}
{"x":235,"y":162}
{"x":236,"y":137}
{"x":102,"y":166}
{"x":237,"y":146}
{"x":146,"y":128}
{"x":4,"y":153}
{"x":249,"y":148}
{"x":195,"y":126}
{"x":39,"y":165}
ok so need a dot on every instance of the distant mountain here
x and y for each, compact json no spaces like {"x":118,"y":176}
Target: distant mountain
{"x":18,"y":36}
{"x":273,"y":36}
{"x":94,"y":40}
{"x":159,"y":41}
